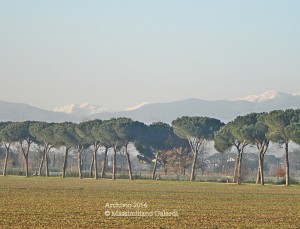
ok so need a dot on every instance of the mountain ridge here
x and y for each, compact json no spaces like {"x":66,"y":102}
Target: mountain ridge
{"x":225,"y":110}
{"x":13,"y":111}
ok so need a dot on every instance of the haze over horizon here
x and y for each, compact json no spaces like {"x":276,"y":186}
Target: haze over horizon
{"x":117,"y":54}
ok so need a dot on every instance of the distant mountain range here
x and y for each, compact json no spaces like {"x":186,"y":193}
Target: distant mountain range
{"x":224,"y":110}
{"x":21,"y":112}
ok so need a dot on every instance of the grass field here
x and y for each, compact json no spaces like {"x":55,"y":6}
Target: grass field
{"x":39,"y":202}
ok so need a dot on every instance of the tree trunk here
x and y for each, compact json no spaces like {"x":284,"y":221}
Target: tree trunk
{"x":92,"y":166}
{"x":65,"y":162}
{"x":6,"y":159}
{"x":114,"y":164}
{"x":45,"y":160}
{"x":95,"y":163}
{"x":262,"y":179}
{"x":155,"y":165}
{"x":25,"y":152}
{"x":79,"y":163}
{"x":258,"y":177}
{"x":128,"y":163}
{"x":192,"y":178}
{"x":223,"y":164}
{"x":26,"y":166}
{"x":260,"y":170}
{"x":47,"y":164}
{"x":287,"y":165}
{"x":104,"y":163}
{"x":27,"y":156}
{"x":42,"y":163}
{"x":236,"y":165}
{"x":240,"y":168}
{"x":48,"y":147}
{"x":262,"y":149}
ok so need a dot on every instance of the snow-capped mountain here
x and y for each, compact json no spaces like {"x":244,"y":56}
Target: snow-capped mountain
{"x":84,"y":109}
{"x":137,"y":106}
{"x":267,"y":95}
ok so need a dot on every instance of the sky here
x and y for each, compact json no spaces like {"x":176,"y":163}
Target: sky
{"x":117,"y":54}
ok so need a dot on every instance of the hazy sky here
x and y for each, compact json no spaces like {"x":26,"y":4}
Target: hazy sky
{"x":120,"y":53}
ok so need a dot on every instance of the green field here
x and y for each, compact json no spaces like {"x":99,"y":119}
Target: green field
{"x":72,"y":203}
